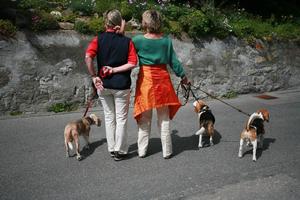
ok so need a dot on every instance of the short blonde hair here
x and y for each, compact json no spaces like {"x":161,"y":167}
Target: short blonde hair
{"x":152,"y":21}
{"x":112,"y":18}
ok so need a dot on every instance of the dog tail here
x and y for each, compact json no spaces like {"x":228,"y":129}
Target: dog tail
{"x":200,"y":131}
{"x":252,"y":118}
{"x":70,"y":145}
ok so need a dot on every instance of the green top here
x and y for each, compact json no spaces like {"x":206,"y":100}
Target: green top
{"x":157,"y":51}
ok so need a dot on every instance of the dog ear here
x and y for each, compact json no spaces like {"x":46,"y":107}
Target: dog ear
{"x":196,"y":106}
{"x":265,"y":114}
{"x":95,"y":119}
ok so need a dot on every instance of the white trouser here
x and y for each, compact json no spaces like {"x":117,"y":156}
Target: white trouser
{"x":163,"y":123}
{"x":115,"y":106}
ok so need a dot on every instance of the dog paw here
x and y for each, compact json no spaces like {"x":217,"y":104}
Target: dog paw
{"x":79,"y":158}
{"x":240,"y":155}
{"x":200,"y":146}
{"x":254,"y":159}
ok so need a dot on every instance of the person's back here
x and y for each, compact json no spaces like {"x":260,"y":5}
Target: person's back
{"x":154,"y":88}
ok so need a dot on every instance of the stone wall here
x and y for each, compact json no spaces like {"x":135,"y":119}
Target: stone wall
{"x":38,"y":70}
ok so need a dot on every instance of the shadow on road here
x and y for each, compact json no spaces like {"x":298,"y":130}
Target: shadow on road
{"x":93,"y":146}
{"x":266,"y":145}
{"x":181,"y":144}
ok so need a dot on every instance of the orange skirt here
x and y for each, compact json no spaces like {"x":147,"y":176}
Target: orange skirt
{"x":154,"y":89}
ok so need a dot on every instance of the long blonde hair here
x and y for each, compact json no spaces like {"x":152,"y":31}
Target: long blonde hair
{"x":152,"y":21}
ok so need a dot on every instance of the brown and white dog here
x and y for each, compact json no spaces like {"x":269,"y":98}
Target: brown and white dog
{"x":254,"y":131}
{"x":78,"y":128}
{"x":206,"y":121}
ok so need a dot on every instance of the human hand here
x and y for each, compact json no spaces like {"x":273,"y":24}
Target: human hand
{"x":185,"y":81}
{"x":121,"y":29}
{"x":106,"y":71}
{"x":98,"y":83}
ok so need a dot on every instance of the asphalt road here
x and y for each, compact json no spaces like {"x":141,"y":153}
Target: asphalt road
{"x":33,"y":163}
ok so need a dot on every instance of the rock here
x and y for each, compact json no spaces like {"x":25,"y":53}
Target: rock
{"x":66,"y":25}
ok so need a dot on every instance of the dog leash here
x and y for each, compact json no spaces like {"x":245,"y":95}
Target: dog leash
{"x":188,"y":90}
{"x":90,"y":100}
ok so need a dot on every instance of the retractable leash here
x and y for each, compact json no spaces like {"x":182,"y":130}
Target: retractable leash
{"x":188,"y":89}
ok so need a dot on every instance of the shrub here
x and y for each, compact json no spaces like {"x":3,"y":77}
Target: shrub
{"x":230,"y":94}
{"x":63,"y":107}
{"x":70,"y":17}
{"x":196,"y":23}
{"x":175,"y":12}
{"x":84,"y":6}
{"x":96,"y":25}
{"x":101,"y":6}
{"x":35,"y":4}
{"x":287,"y":31}
{"x":41,"y":21}
{"x":172,"y":27}
{"x":7,"y":29}
{"x":82,"y":27}
{"x":93,"y":26}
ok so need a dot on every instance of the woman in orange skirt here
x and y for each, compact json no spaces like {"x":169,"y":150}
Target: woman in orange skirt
{"x":154,"y":88}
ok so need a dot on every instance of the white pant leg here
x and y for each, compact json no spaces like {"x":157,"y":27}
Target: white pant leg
{"x":144,"y":129}
{"x":122,"y":104}
{"x":107,"y":99}
{"x":163,"y":122}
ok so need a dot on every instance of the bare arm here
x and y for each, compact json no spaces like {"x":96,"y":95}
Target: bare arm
{"x":96,"y":80}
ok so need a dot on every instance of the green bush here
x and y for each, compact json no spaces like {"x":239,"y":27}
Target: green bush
{"x":35,"y":4}
{"x":41,"y":21}
{"x":63,"y":107}
{"x":68,"y":18}
{"x":96,"y":25}
{"x":230,"y":94}
{"x":287,"y":31}
{"x":196,"y":23}
{"x":244,"y":28}
{"x":82,"y":27}
{"x":15,"y":113}
{"x":93,"y":26}
{"x":174,"y":12}
{"x":7,"y":29}
{"x":101,"y":6}
{"x":172,"y":27}
{"x":84,"y":6}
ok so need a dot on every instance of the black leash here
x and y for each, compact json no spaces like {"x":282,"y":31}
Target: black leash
{"x":188,"y":90}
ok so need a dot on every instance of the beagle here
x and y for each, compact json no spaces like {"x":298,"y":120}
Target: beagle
{"x":78,"y":128}
{"x":206,"y":121}
{"x":253,"y":133}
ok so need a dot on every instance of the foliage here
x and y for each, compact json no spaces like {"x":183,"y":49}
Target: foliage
{"x":41,"y":21}
{"x":196,"y":23}
{"x":84,"y":6}
{"x":15,"y":113}
{"x":70,"y":17}
{"x":172,"y":27}
{"x":197,"y":18}
{"x":287,"y":31}
{"x":7,"y":29}
{"x":63,"y":107}
{"x":230,"y":94}
{"x":92,"y":26}
{"x":174,"y":12}
{"x":101,"y":6}
{"x":33,"y":4}
{"x":96,"y":25}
